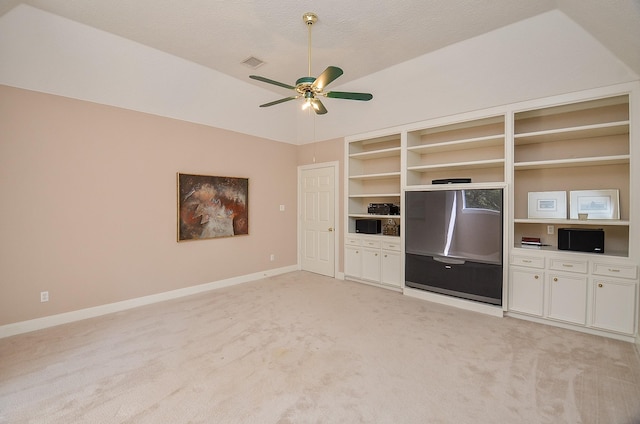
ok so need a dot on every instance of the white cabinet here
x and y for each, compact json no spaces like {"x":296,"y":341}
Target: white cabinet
{"x":588,"y":292}
{"x":614,"y":305}
{"x":371,"y":264}
{"x":567,"y":298}
{"x":352,"y":261}
{"x":526,"y":291}
{"x":390,"y":264}
{"x":374,"y":261}
{"x":615,"y":296}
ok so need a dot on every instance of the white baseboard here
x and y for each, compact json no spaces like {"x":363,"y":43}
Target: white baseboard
{"x":64,"y":318}
{"x":469,"y":305}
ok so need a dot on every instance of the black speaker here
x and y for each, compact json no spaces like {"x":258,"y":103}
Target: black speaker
{"x":368,"y":226}
{"x":581,"y":239}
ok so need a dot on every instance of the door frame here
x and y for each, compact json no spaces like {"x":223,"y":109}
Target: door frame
{"x":336,"y":210}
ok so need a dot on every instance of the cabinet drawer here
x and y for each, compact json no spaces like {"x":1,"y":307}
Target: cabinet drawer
{"x":353,"y":242}
{"x":391,"y":246}
{"x":371,"y":243}
{"x":528,"y":261}
{"x":615,"y":270}
{"x":569,"y":265}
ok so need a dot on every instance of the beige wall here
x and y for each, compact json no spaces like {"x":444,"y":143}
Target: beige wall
{"x":329,"y":151}
{"x":88,"y":204}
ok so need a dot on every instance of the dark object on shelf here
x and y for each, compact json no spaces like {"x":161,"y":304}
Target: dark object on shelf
{"x":581,"y":239}
{"x":391,"y":228}
{"x":383,"y":209}
{"x":451,"y":181}
{"x":368,"y":226}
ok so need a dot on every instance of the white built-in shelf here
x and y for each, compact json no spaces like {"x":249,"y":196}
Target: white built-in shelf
{"x":376,"y":154}
{"x":479,"y":164}
{"x":584,"y":131}
{"x":381,"y":176}
{"x":573,"y":162}
{"x":529,"y":248}
{"x":368,"y":215}
{"x":589,"y":222}
{"x":397,"y":194}
{"x":469,"y":143}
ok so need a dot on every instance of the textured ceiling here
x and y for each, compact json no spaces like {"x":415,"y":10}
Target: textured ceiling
{"x":360,"y":36}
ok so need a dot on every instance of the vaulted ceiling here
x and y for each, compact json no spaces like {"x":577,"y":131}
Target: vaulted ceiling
{"x":362,"y":37}
{"x":421,"y":59}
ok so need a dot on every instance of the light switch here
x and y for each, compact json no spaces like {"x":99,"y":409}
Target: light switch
{"x":281,"y":208}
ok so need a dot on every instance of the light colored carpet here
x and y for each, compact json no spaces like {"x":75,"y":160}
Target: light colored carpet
{"x":302,"y":348}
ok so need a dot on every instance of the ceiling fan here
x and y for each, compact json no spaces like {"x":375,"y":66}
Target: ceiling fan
{"x":310,"y":88}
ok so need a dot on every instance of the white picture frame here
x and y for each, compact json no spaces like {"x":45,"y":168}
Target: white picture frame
{"x":597,"y":204}
{"x":548,"y":204}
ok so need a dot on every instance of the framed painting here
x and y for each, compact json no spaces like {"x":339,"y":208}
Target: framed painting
{"x":212,"y":207}
{"x":548,"y":204}
{"x":596,"y":204}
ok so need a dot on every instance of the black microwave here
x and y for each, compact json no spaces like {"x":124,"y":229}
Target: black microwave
{"x":368,"y":226}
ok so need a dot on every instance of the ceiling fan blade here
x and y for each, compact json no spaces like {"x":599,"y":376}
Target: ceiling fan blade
{"x":350,"y":96}
{"x":325,"y":78}
{"x":318,"y":107}
{"x":270,"y":81}
{"x":286,"y":99}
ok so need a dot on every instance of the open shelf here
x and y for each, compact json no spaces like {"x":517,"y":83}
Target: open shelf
{"x":585,"y":131}
{"x":573,"y":162}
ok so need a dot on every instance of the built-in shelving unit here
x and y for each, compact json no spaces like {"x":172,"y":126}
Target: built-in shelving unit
{"x":374,"y":175}
{"x":469,"y":149}
{"x":575,"y":146}
{"x":579,"y":141}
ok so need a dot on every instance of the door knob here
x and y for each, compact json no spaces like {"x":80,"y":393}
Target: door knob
{"x":330,"y":229}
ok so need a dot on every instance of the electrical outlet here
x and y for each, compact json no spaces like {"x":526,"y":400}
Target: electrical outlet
{"x":44,"y":296}
{"x":272,"y":257}
{"x":550,"y":229}
{"x":281,"y":208}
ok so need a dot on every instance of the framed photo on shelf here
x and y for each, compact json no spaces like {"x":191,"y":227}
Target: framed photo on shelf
{"x":548,"y":204}
{"x":597,"y":204}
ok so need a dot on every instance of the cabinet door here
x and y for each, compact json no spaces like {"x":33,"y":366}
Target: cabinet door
{"x":371,"y":264}
{"x":390,"y":268}
{"x":526,"y":291}
{"x":352,"y":261}
{"x":614,"y":305}
{"x":568,"y":298}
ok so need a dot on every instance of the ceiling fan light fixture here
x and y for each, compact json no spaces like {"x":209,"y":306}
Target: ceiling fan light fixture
{"x":310,"y":87}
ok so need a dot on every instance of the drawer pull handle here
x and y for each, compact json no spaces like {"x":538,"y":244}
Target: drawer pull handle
{"x":613,"y":270}
{"x":385,"y":255}
{"x":567,"y":265}
{"x":376,"y":254}
{"x":536,"y":277}
{"x":555,"y":278}
{"x":600,"y":285}
{"x":526,"y":261}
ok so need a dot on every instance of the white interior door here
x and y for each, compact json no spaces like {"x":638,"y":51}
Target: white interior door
{"x":317,"y":219}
